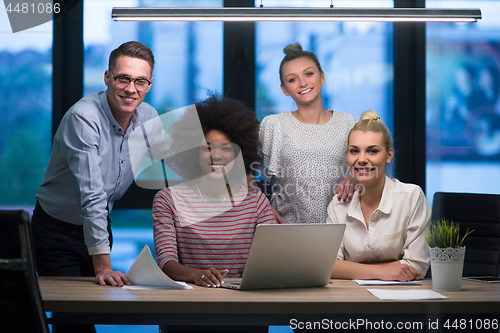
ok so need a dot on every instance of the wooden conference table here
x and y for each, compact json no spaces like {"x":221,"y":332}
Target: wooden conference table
{"x":80,"y":300}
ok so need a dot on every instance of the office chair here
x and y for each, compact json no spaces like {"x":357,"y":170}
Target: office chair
{"x":478,"y":212}
{"x":20,"y":301}
{"x":481,"y":213}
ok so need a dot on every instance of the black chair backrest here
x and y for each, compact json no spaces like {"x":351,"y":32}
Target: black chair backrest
{"x":479,"y":212}
{"x":20,"y":301}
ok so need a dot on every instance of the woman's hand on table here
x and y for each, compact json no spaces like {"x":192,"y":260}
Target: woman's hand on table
{"x":209,"y":277}
{"x":398,"y":272}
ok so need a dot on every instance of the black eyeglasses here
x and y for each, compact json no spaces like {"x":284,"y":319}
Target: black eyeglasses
{"x":123,"y":81}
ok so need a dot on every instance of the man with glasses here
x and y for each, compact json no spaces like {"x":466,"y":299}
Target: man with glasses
{"x":89,"y":169}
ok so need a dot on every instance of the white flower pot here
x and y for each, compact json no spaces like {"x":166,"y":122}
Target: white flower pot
{"x":447,"y":267}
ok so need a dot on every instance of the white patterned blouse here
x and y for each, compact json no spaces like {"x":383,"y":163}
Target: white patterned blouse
{"x":305,"y":163}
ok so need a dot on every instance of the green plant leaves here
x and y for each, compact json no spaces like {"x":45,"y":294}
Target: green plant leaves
{"x":445,"y":233}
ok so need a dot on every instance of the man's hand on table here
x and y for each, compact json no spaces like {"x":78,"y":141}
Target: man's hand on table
{"x":104,"y":272}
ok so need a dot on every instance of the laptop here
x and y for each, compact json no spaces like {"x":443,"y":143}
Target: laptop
{"x":290,"y":256}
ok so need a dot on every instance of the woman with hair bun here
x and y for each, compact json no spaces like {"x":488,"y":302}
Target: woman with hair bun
{"x":303,"y":150}
{"x":385,"y":221}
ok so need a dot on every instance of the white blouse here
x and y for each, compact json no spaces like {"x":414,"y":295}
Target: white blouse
{"x":306,"y":162}
{"x":396,"y":227}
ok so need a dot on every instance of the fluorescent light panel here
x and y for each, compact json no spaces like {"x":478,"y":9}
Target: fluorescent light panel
{"x":296,"y":14}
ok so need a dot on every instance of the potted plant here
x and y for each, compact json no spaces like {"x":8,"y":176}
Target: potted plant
{"x":447,"y":254}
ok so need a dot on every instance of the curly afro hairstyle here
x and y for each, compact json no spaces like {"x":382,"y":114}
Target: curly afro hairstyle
{"x":233,"y":118}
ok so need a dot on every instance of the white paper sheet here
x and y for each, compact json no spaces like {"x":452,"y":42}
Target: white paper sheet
{"x":406,"y":294}
{"x":145,"y":274}
{"x":380,"y":282}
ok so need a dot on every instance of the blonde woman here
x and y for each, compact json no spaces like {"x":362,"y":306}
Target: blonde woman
{"x":303,"y":150}
{"x":386,"y":219}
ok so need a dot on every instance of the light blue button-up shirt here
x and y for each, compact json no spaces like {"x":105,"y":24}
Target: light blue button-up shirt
{"x":89,"y":167}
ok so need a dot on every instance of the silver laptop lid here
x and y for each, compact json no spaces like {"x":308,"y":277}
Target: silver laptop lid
{"x":292,"y":255}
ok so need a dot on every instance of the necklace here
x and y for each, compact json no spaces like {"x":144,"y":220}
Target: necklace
{"x":206,"y":203}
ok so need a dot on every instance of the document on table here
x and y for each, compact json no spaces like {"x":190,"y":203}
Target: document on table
{"x":145,"y":274}
{"x":380,"y":282}
{"x":406,"y":294}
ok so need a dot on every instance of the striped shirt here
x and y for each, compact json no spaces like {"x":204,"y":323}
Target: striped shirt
{"x":188,"y":231}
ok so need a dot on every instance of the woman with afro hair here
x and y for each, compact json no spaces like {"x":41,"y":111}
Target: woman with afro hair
{"x":203,"y":228}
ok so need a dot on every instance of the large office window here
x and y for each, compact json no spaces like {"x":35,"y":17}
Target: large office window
{"x":357,"y":59}
{"x":463,"y":108}
{"x":26,"y":97}
{"x":188,"y":55}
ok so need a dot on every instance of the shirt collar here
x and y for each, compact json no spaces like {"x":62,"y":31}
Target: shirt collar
{"x":354,"y":209}
{"x":385,"y":205}
{"x":386,"y":201}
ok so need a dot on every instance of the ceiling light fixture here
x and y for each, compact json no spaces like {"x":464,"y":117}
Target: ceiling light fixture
{"x":334,"y":14}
